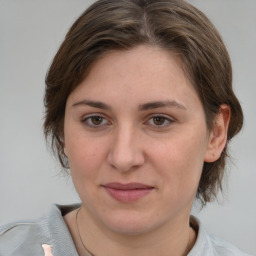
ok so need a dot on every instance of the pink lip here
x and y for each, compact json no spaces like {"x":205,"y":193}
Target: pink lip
{"x":129,"y":192}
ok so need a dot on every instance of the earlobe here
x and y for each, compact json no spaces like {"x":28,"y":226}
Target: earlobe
{"x":218,"y":134}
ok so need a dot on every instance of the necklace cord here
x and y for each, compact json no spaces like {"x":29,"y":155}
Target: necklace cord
{"x":80,"y":237}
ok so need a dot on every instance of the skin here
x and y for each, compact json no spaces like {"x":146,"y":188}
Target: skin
{"x":125,"y":139}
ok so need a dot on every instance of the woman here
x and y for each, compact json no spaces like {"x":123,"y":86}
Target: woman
{"x":140,"y":109}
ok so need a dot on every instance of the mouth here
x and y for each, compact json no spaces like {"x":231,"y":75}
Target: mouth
{"x":129,"y":192}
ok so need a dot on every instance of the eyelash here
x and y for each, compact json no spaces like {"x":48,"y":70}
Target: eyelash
{"x":167,"y":121}
{"x":87,"y":120}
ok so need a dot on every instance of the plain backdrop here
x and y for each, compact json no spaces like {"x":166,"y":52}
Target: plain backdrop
{"x":30,"y":181}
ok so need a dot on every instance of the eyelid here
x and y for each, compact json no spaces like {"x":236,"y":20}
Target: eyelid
{"x":88,"y":116}
{"x":92,"y":115}
{"x":166,"y":117}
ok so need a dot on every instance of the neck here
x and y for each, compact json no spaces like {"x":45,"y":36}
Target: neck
{"x":172,"y":237}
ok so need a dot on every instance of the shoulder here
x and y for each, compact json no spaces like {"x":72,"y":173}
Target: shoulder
{"x":27,"y":237}
{"x":223,"y":247}
{"x":22,"y":237}
{"x":209,"y":245}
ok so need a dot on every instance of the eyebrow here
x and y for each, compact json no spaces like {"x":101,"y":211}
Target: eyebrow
{"x":161,"y":104}
{"x":142,"y":107}
{"x":94,"y":104}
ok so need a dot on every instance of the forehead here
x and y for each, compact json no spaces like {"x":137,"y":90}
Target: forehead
{"x":148,"y":71}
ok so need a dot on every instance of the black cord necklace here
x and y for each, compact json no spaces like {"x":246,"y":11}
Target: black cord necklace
{"x":81,"y":240}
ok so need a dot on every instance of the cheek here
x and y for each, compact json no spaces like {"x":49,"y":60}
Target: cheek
{"x":85,"y":157}
{"x":85,"y":160}
{"x":180,"y":160}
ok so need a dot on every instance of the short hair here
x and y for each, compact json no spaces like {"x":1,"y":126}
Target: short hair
{"x":173,"y":25}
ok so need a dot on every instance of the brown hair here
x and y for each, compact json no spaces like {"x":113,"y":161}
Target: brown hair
{"x":173,"y":25}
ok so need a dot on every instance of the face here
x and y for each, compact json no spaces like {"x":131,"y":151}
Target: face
{"x":136,"y":138}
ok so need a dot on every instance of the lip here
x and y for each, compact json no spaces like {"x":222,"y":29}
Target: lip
{"x":129,"y":192}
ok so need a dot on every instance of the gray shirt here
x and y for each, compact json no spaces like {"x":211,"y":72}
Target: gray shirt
{"x":25,"y":238}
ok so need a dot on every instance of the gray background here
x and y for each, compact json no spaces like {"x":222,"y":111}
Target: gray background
{"x":30,"y":181}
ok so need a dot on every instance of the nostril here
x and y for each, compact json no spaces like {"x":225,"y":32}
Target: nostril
{"x":125,"y":161}
{"x":125,"y":153}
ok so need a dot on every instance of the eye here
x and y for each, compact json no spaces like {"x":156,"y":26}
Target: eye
{"x":160,"y":121}
{"x":95,"y":121}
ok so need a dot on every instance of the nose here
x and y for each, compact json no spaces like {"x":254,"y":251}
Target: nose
{"x":126,"y":150}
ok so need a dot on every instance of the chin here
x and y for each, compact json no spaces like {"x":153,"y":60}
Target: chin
{"x":130,"y":224}
{"x":130,"y":229}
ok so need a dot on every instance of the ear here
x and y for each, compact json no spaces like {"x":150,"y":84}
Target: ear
{"x":218,"y":134}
